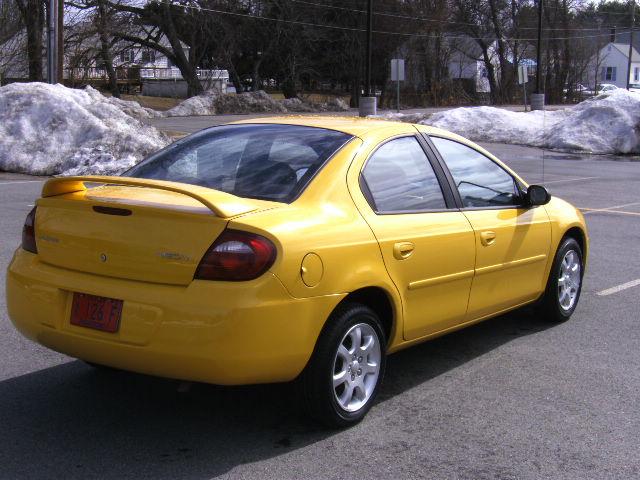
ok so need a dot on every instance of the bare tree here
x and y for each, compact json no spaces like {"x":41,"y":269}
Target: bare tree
{"x":33,"y":18}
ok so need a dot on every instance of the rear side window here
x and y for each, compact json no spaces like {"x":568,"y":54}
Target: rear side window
{"x":269,"y":162}
{"x":399,"y":178}
{"x":480,"y":181}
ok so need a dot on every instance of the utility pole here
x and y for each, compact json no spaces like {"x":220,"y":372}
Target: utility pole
{"x":539,"y":50}
{"x":599,"y":47}
{"x":52,"y":42}
{"x":537,"y":99}
{"x":369,"y":35}
{"x":60,"y":41}
{"x":633,"y":22}
{"x":367,"y":104}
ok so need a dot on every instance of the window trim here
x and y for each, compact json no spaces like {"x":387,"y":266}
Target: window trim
{"x":447,"y":195}
{"x":452,"y":182}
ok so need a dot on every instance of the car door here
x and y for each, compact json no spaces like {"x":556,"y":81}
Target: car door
{"x":512,"y":240}
{"x":427,"y":247}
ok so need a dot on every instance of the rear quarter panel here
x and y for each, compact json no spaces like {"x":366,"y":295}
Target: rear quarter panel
{"x":324,"y":221}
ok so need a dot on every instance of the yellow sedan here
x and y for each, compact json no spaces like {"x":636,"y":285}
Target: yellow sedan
{"x":290,"y":248}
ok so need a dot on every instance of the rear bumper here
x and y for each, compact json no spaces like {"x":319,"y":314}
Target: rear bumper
{"x":226,"y":333}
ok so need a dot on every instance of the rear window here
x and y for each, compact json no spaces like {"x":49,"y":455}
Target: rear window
{"x":268,"y":162}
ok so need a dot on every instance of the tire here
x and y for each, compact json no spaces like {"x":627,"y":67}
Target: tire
{"x":347,"y":402}
{"x":561,"y":296}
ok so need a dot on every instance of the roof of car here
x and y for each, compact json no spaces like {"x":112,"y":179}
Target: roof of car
{"x":357,"y":126}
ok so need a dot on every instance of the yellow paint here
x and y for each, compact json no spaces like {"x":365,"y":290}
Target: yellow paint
{"x":441,"y":270}
{"x":311,"y":269}
{"x":510,"y":269}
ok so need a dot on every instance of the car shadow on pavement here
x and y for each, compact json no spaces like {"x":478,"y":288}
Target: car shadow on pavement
{"x":73,"y":421}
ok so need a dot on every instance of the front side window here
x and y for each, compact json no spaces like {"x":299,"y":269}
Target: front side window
{"x":400,"y":178}
{"x":480,"y":181}
{"x":269,"y":162}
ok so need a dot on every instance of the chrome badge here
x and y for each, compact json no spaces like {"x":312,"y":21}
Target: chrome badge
{"x":175,"y":256}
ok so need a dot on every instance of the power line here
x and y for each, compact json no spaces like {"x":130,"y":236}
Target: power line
{"x":381,"y":32}
{"x":423,"y":19}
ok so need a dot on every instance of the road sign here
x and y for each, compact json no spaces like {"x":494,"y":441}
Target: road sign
{"x":397,"y":75}
{"x":523,"y":74}
{"x":397,"y":70}
{"x":523,"y":78}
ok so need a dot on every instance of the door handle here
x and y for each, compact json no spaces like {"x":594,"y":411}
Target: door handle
{"x":487,"y":238}
{"x":402,"y":250}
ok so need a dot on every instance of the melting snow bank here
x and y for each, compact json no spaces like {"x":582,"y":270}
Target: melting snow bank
{"x":214,"y":103}
{"x":606,"y":124}
{"x":50,"y":129}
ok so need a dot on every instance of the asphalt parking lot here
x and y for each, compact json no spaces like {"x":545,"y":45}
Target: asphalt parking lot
{"x":511,"y":398}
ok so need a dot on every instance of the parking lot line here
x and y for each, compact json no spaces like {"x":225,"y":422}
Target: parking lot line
{"x":618,"y":288}
{"x":587,"y":210}
{"x":621,"y":212}
{"x":570,"y":180}
{"x":22,"y":181}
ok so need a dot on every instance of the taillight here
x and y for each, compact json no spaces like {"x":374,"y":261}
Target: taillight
{"x":235,"y":256}
{"x":29,"y":232}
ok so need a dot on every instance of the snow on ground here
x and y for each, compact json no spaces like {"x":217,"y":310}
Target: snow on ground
{"x":606,"y":124}
{"x":214,"y":103}
{"x":50,"y":129}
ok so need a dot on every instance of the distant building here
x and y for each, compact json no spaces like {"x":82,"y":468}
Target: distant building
{"x":150,"y":71}
{"x":468,"y":64}
{"x":612,"y":63}
{"x":161,"y":78}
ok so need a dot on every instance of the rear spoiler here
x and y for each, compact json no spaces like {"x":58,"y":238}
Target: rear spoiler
{"x":224,"y":205}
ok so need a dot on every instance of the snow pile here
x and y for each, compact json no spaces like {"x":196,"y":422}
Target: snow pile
{"x":50,"y":129}
{"x":606,"y":124}
{"x":248,"y":102}
{"x":203,"y":104}
{"x":333,"y":104}
{"x":131,"y":108}
{"x":213,"y":103}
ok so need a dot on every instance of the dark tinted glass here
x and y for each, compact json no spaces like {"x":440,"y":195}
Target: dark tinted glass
{"x":400,"y":178}
{"x":480,"y":181}
{"x":271,"y":162}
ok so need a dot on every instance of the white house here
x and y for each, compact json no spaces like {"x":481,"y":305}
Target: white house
{"x":466,"y":62}
{"x":159,"y":77}
{"x":463,"y":66}
{"x":612,"y":64}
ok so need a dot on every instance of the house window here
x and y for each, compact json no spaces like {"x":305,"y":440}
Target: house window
{"x":148,"y":56}
{"x":636,"y":74}
{"x":608,"y":73}
{"x":127,"y":55}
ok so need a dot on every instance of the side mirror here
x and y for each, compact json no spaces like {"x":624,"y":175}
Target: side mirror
{"x":536,"y":195}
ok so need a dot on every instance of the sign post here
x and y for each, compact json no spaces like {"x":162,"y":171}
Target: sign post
{"x":523,"y":78}
{"x":397,"y":75}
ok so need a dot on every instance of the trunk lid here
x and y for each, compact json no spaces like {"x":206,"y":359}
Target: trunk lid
{"x":136,"y":229}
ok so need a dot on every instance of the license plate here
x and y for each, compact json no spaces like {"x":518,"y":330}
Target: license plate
{"x":99,"y":313}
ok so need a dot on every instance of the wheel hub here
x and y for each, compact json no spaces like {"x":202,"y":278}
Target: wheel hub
{"x":569,"y":279}
{"x":356,"y":367}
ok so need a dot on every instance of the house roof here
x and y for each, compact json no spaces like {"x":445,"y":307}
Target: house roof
{"x":624,"y":49}
{"x":623,"y":38}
